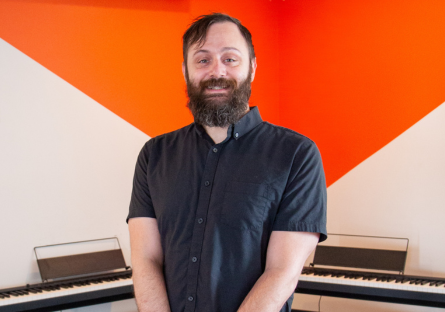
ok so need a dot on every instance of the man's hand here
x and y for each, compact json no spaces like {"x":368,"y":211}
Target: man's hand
{"x":286,"y":254}
{"x":147,"y":261}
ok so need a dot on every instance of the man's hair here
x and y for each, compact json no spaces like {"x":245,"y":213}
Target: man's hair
{"x":197,"y":32}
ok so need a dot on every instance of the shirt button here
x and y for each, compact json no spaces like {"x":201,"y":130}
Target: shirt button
{"x":194,"y":259}
{"x":236,"y":135}
{"x":190,"y":298}
{"x":206,"y":183}
{"x":200,"y":220}
{"x":215,"y":150}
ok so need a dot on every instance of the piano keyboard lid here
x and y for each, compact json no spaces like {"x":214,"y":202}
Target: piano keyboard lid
{"x":359,"y":257}
{"x":80,"y":264}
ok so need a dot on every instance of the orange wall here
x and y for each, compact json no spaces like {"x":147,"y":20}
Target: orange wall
{"x":359,"y":73}
{"x":351,"y":75}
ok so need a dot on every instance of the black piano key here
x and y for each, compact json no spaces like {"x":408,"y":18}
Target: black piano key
{"x":34,"y":291}
{"x":439,"y":283}
{"x":418,"y":282}
{"x":340,"y":275}
{"x":53,"y":288}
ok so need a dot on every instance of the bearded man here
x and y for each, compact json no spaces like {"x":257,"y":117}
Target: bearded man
{"x":225,"y":211}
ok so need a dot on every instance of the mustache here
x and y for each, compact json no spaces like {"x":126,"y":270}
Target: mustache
{"x":219,"y":82}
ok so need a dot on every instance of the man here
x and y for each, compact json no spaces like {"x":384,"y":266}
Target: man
{"x":224,"y":212}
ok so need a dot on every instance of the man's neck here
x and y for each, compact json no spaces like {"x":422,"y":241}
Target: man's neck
{"x":218,"y":134}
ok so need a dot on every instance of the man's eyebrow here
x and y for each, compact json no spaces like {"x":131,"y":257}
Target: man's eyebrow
{"x":222,"y":50}
{"x":201,"y":51}
{"x":230,"y":48}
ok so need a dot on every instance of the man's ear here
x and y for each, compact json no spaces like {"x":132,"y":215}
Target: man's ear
{"x":183,"y":71}
{"x":253,"y":68}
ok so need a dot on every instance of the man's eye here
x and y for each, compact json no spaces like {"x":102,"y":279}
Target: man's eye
{"x":229,"y":60}
{"x":202,"y":61}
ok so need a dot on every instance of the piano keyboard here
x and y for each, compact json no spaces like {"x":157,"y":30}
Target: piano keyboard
{"x":46,"y":296}
{"x":427,"y":291}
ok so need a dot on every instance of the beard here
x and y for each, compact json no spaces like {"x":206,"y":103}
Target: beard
{"x":219,"y":110}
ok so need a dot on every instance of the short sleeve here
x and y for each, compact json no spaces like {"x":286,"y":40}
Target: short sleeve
{"x":141,"y":204}
{"x":303,"y":204}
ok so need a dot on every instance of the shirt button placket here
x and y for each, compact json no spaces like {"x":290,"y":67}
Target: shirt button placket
{"x":198,"y":231}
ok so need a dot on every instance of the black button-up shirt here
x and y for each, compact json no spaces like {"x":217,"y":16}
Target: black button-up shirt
{"x":217,"y":204}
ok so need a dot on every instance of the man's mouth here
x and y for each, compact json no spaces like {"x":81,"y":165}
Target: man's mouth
{"x":216,"y":87}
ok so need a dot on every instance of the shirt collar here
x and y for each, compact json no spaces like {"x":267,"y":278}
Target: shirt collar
{"x":243,"y":126}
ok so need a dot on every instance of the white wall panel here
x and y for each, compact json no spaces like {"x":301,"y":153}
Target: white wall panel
{"x":66,"y":166}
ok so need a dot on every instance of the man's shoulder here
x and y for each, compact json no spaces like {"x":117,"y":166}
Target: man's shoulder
{"x":285,"y":135}
{"x":173,"y":135}
{"x":168,"y":139}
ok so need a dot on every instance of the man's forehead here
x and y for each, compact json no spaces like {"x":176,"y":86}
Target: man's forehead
{"x":225,"y":35}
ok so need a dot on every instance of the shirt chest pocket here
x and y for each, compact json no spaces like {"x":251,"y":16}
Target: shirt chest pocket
{"x":244,"y":205}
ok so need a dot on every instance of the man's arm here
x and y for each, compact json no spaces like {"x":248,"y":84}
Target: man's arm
{"x":147,"y":261}
{"x":286,"y":254}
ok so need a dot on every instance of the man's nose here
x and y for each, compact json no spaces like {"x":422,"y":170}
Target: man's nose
{"x":218,"y":70}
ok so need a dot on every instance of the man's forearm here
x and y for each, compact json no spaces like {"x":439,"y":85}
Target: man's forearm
{"x":270,"y":292}
{"x":149,"y":287}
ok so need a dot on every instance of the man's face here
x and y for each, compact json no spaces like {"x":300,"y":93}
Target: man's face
{"x":218,"y":76}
